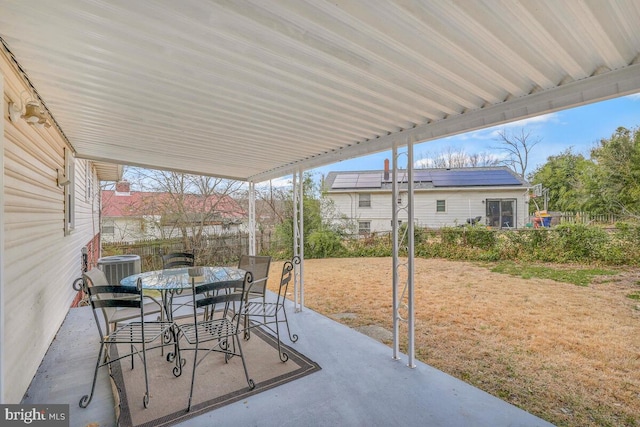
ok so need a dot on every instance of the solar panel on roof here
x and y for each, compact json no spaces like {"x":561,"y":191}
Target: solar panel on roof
{"x":345,"y":181}
{"x":403,"y":176}
{"x":439,"y":177}
{"x":422,"y":176}
{"x":369,"y":180}
{"x":460,"y":178}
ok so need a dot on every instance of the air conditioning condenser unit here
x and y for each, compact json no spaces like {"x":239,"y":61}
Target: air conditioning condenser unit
{"x":117,"y":267}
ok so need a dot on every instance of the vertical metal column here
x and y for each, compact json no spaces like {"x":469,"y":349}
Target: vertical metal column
{"x":252,"y":218}
{"x":404,"y":242}
{"x":298,"y":239}
{"x":410,"y":254}
{"x":301,"y":240}
{"x":395,"y":252}
{"x":296,"y":232}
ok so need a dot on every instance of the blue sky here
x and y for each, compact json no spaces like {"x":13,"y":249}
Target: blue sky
{"x":580,"y":128}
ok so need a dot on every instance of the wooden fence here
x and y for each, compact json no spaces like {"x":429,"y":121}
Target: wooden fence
{"x":584,"y":218}
{"x":213,"y":250}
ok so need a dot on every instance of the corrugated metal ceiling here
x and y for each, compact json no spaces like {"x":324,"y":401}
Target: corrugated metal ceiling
{"x":256,"y":89}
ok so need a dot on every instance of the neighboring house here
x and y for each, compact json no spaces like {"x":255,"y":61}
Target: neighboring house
{"x":442,"y":197}
{"x":129,"y":216}
{"x":50,"y":213}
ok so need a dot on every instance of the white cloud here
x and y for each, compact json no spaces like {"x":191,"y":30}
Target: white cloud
{"x":533,"y":120}
{"x":493,"y":132}
{"x":285,"y":181}
{"x":635,"y":96}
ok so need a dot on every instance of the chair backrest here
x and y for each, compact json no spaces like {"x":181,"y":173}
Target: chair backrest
{"x":258,"y":266}
{"x":285,"y":278}
{"x":178,"y":259}
{"x":96,"y":277}
{"x":107,"y":299}
{"x":226,"y":292}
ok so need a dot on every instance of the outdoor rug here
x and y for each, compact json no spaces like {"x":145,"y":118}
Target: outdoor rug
{"x":217,"y":383}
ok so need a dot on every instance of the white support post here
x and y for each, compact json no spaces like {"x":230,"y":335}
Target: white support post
{"x":298,"y":239}
{"x":301,"y":242}
{"x":404,"y":242}
{"x":296,"y":249}
{"x":252,"y":218}
{"x":395,"y":252}
{"x":410,"y":254}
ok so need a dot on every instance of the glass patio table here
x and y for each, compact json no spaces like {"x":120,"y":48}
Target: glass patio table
{"x":173,"y":281}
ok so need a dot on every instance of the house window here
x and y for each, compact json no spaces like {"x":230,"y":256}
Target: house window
{"x":441,"y":206}
{"x":108,"y":229}
{"x":364,"y":227}
{"x":364,"y":200}
{"x":69,"y":193}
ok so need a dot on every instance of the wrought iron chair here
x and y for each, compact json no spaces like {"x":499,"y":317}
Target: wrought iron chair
{"x":270,"y":314}
{"x":137,"y":334}
{"x":258,"y":266}
{"x":118,"y":314}
{"x":178,"y":259}
{"x":217,"y":330}
{"x":175,"y":260}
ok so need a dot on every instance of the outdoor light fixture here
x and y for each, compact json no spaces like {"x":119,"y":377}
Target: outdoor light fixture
{"x":33,"y":114}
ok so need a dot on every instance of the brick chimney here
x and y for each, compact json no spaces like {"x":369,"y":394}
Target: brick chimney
{"x":123,"y":188}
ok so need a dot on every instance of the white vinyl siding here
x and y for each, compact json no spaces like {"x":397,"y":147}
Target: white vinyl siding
{"x":40,"y":262}
{"x":460,"y":205}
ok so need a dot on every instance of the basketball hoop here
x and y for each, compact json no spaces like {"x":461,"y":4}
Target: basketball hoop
{"x":536,"y":190}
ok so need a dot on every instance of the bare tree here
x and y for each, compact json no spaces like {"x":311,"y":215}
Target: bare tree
{"x":185,"y":204}
{"x":272,"y":205}
{"x":452,"y":158}
{"x":517,"y":146}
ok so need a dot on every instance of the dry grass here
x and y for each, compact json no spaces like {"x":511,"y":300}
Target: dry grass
{"x":566,"y":353}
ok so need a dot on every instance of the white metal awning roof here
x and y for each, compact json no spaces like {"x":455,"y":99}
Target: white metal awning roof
{"x":253,"y":90}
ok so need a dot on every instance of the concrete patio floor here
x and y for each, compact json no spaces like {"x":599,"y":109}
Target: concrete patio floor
{"x":359,"y":385}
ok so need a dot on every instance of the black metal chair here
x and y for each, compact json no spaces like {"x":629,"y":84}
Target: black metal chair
{"x":178,"y":259}
{"x":215,"y":331}
{"x":138,"y":334}
{"x":258,"y":266}
{"x":115,"y":315}
{"x":269,"y":314}
{"x":175,"y":260}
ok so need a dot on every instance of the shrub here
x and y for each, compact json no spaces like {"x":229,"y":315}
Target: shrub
{"x":480,"y":237}
{"x":324,"y":244}
{"x":371,"y":246}
{"x":451,"y":235}
{"x":579,"y":242}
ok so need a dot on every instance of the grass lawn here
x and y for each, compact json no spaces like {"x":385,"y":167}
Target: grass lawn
{"x":561,"y":342}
